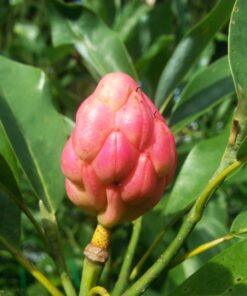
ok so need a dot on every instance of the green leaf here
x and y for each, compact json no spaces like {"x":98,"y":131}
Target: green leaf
{"x":105,"y":9}
{"x":225,"y":274}
{"x":242,"y":151}
{"x":100,"y":47}
{"x":9,"y":213}
{"x":206,"y":89}
{"x":198,"y":168}
{"x":237,"y":44}
{"x":239,"y":224}
{"x":238,"y":64}
{"x":10,"y":216}
{"x":8,"y":156}
{"x":131,"y":14}
{"x":212,"y":225}
{"x":189,"y":49}
{"x":35,"y":129}
{"x":157,"y":47}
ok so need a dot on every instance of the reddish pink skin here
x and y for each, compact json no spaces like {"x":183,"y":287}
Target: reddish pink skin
{"x":121,"y":155}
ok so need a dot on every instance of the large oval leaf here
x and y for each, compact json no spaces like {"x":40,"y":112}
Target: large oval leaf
{"x":197,"y":170}
{"x":189,"y":49}
{"x":36,"y":131}
{"x":100,"y":47}
{"x":225,"y":274}
{"x":204,"y":91}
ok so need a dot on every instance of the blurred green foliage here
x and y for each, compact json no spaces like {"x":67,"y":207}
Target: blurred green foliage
{"x":74,"y":45}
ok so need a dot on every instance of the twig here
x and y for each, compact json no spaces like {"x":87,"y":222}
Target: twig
{"x":125,"y":269}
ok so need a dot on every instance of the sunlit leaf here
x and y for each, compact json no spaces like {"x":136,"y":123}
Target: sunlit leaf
{"x":34,"y":128}
{"x":101,"y":48}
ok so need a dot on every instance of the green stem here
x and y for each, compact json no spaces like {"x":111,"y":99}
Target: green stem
{"x":53,"y":235}
{"x":96,"y":291}
{"x":125,"y":269}
{"x":90,"y":276}
{"x":166,"y":103}
{"x":136,"y":270}
{"x":45,"y":282}
{"x":19,"y":203}
{"x":188,"y":225}
{"x":201,"y":249}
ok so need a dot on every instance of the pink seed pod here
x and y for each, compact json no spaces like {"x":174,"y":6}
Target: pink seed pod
{"x":121,"y":155}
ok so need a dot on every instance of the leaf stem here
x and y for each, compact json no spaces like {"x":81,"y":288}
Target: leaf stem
{"x":136,"y":270}
{"x":54,"y":239}
{"x":96,"y":291}
{"x":90,"y":275}
{"x":32,"y":269}
{"x":125,"y":269}
{"x":202,"y":248}
{"x":96,"y":254}
{"x":166,"y":103}
{"x":188,"y":225}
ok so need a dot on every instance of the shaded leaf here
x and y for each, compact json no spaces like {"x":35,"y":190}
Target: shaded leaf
{"x":10,"y":216}
{"x":206,"y":89}
{"x":242,"y":151}
{"x":224,"y":274}
{"x":103,"y":8}
{"x":8,"y":156}
{"x":189,"y":49}
{"x":240,"y":224}
{"x":9,"y":213}
{"x":159,"y":45}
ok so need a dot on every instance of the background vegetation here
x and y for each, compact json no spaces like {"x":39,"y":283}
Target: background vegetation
{"x":178,"y":51}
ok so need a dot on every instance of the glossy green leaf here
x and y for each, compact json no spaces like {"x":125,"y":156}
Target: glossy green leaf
{"x":198,"y":168}
{"x":206,"y":89}
{"x":239,"y":224}
{"x":225,"y":274}
{"x":34,"y":128}
{"x":189,"y":49}
{"x":100,"y":47}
